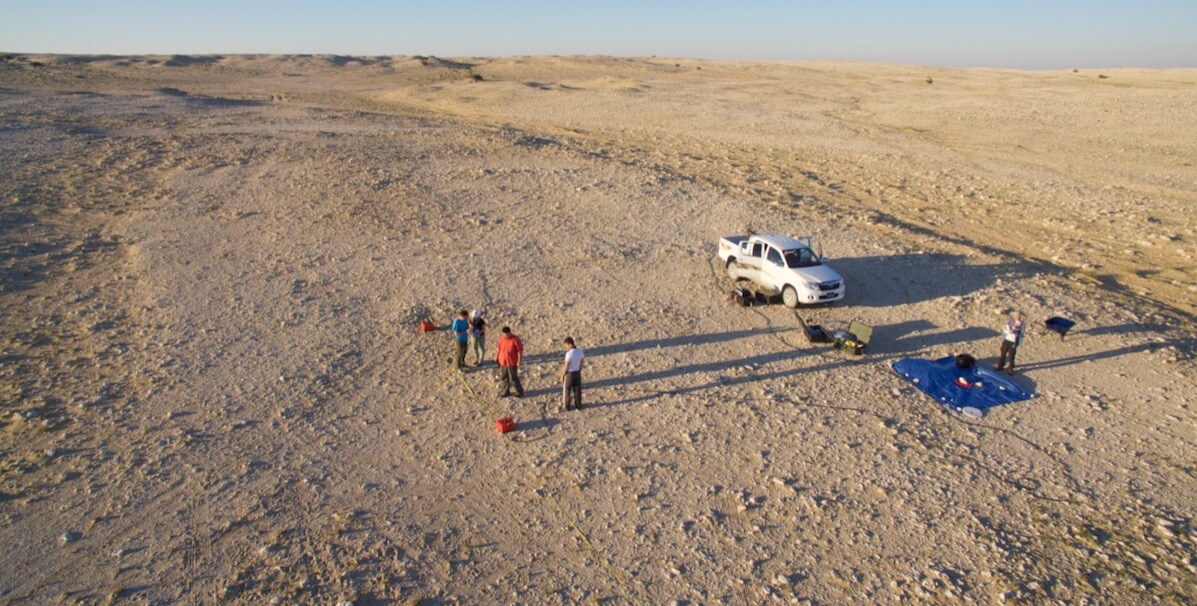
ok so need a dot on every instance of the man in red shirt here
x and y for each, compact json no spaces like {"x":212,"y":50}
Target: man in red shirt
{"x":511,"y":351}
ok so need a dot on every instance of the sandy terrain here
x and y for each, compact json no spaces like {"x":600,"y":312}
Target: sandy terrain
{"x":212,"y":390}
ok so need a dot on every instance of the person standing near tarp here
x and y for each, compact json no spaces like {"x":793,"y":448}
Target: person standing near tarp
{"x":461,"y":333}
{"x":1011,"y":339}
{"x":511,"y":352}
{"x":571,"y":376}
{"x":478,"y":336}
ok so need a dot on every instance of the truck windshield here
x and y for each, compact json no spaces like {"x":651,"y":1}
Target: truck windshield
{"x":801,"y":257}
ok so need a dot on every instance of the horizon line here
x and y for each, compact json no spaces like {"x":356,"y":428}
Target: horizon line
{"x":585,"y":55}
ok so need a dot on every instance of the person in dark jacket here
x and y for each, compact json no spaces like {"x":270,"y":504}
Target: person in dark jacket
{"x":511,"y":352}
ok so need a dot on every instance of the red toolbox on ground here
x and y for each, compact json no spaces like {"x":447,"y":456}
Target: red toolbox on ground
{"x":505,"y":424}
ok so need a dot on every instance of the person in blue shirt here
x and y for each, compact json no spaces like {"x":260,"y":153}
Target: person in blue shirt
{"x":461,"y":332}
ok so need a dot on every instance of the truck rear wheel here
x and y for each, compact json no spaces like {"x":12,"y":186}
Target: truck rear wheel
{"x":730,"y":261}
{"x":789,"y":296}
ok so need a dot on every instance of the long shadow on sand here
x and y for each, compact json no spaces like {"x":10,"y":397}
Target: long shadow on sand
{"x":713,"y":367}
{"x":721,"y":382}
{"x":889,"y":280}
{"x":1123,"y":329}
{"x":205,"y":102}
{"x":1026,"y":265}
{"x":897,"y":338}
{"x":664,"y":342}
{"x":1185,"y":345}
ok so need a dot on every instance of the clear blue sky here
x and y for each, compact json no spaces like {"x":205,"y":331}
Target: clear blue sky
{"x":1013,"y":33}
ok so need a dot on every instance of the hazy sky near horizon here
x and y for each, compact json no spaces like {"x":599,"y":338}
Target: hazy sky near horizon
{"x":1030,"y":34}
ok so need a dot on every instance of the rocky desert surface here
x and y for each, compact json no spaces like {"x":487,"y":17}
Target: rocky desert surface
{"x":212,"y":389}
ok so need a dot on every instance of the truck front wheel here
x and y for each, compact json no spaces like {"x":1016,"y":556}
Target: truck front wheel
{"x":789,"y":296}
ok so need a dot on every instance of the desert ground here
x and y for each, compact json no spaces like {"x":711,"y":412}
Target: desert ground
{"x":212,"y":389}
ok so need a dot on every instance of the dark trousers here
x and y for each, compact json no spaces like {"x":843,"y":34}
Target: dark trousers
{"x":1008,"y":349}
{"x":572,"y":389}
{"x":461,"y":352}
{"x":509,"y":378}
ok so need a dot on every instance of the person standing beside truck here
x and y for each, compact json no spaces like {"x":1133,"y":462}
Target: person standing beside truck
{"x":511,"y":352}
{"x":571,"y":375}
{"x":1011,"y":339}
{"x":461,"y":333}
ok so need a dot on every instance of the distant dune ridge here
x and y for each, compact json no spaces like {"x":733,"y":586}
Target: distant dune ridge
{"x":212,"y":389}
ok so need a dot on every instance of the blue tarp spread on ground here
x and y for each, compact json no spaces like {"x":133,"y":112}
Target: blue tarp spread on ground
{"x":958,"y":387}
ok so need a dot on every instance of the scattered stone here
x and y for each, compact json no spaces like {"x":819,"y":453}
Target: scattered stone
{"x":1165,"y":528}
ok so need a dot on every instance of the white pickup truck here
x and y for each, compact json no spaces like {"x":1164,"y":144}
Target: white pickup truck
{"x":781,"y":264}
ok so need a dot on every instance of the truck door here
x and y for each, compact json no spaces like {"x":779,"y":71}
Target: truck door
{"x":773,"y":269}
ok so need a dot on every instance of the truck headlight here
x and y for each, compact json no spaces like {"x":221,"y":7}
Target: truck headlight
{"x":812,"y":285}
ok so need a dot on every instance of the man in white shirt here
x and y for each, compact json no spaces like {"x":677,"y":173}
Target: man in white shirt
{"x":571,"y":375}
{"x":1011,"y":339}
